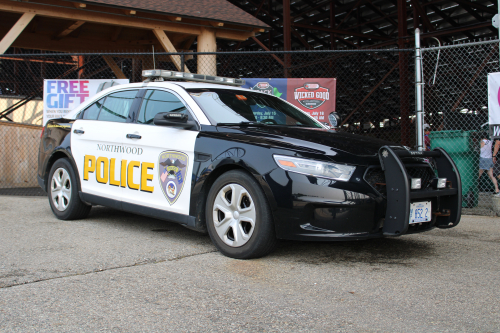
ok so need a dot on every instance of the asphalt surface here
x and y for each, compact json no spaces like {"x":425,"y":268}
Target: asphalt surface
{"x":119,"y":272}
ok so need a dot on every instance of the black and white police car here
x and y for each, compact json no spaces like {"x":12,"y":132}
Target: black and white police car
{"x":247,"y":167}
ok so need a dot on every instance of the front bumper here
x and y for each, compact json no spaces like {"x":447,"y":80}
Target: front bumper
{"x":447,"y":202}
{"x":310,"y":208}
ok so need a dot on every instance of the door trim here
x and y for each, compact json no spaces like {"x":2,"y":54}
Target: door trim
{"x":187,"y":220}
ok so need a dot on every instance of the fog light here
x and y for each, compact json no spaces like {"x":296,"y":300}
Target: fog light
{"x":416,"y":183}
{"x":441,"y":183}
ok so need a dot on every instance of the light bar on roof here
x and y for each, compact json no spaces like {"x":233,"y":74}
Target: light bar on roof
{"x":152,"y":74}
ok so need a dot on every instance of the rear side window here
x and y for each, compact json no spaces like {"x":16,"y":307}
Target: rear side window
{"x":116,"y":106}
{"x":156,"y":101}
{"x":92,"y":111}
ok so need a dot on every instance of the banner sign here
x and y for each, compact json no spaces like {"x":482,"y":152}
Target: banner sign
{"x":62,"y":96}
{"x":314,"y":96}
{"x":494,"y":104}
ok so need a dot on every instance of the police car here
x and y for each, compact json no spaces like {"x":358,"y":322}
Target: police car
{"x":246,"y":167}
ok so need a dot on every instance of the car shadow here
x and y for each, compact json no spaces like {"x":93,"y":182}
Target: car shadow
{"x":145,"y":225}
{"x":404,"y":251}
{"x":385,"y":251}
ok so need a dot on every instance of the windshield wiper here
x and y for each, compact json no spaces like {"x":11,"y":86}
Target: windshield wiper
{"x":244,"y":123}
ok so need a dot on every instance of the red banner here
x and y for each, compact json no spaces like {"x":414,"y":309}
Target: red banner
{"x":314,"y":96}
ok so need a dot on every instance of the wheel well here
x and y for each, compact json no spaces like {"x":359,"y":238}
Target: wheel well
{"x":53,"y":159}
{"x":212,"y":177}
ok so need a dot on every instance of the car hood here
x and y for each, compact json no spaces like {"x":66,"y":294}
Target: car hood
{"x":315,"y":141}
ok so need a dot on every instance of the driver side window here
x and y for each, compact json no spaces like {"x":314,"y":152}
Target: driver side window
{"x":156,"y":101}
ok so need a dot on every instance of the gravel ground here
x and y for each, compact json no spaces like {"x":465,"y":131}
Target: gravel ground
{"x":124,"y":273}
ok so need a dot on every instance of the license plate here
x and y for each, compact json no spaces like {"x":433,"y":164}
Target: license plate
{"x":420,"y":212}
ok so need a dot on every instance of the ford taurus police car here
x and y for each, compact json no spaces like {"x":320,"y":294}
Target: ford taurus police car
{"x":246,"y":167}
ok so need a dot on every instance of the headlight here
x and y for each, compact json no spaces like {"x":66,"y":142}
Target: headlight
{"x":315,"y":168}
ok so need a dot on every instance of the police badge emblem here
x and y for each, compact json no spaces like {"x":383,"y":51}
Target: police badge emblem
{"x":172,"y":174}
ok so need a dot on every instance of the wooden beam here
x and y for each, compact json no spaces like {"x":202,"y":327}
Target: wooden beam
{"x":15,"y":31}
{"x":234,"y":35}
{"x":79,"y":5}
{"x":301,"y":39}
{"x":116,"y":34}
{"x":381,"y":13}
{"x":266,"y":49}
{"x":175,"y":18}
{"x":350,"y":12}
{"x":337,"y":31}
{"x":207,"y":63}
{"x":45,"y":42}
{"x":169,"y":47}
{"x":103,"y":18}
{"x":130,"y":12}
{"x":369,"y":94}
{"x":66,"y":31}
{"x":216,"y":24}
{"x":114,"y":67}
{"x":39,"y":60}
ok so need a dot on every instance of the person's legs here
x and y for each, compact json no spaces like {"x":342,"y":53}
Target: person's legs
{"x":490,"y":174}
{"x":479,"y":178}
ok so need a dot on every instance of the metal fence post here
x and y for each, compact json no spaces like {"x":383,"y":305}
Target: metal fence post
{"x":182,"y":62}
{"x":419,"y":92}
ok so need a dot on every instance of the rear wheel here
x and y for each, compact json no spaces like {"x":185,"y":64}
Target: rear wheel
{"x":238,"y":217}
{"x":63,"y":192}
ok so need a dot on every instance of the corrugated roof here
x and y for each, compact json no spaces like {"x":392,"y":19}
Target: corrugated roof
{"x":218,"y":10}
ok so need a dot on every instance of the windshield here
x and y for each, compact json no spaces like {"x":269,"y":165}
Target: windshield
{"x":239,"y":106}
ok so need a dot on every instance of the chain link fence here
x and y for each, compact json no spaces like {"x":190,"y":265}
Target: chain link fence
{"x":374,"y":91}
{"x":456,"y":113}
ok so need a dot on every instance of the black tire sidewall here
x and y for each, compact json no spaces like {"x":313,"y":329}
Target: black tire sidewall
{"x":263,"y":234}
{"x":75,"y":199}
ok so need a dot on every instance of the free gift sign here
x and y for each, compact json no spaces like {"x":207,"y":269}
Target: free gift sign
{"x":63,"y":96}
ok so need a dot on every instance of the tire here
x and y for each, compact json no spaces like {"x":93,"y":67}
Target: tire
{"x":238,"y":216}
{"x":63,"y":192}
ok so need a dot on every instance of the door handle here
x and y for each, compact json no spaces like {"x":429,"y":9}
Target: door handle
{"x":133,"y":136}
{"x":77,"y":131}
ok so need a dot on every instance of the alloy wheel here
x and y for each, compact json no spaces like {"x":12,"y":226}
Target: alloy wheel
{"x":60,"y":189}
{"x":234,"y":215}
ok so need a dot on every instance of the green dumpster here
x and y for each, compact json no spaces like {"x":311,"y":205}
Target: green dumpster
{"x":465,"y":154}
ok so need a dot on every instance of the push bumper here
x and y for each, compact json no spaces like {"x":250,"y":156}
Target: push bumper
{"x":400,"y":196}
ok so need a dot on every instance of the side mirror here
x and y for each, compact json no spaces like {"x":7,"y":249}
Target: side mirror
{"x":173,"y":119}
{"x":334,"y":119}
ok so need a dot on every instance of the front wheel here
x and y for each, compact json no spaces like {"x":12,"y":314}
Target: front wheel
{"x":238,"y":217}
{"x":63,"y":192}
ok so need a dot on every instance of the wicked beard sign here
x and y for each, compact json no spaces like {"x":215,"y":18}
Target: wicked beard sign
{"x":314,"y":95}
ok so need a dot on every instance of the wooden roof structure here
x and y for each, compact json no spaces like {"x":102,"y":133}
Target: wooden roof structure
{"x":121,"y":25}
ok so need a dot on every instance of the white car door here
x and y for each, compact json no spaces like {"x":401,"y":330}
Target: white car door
{"x":97,"y":145}
{"x":163,"y":170}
